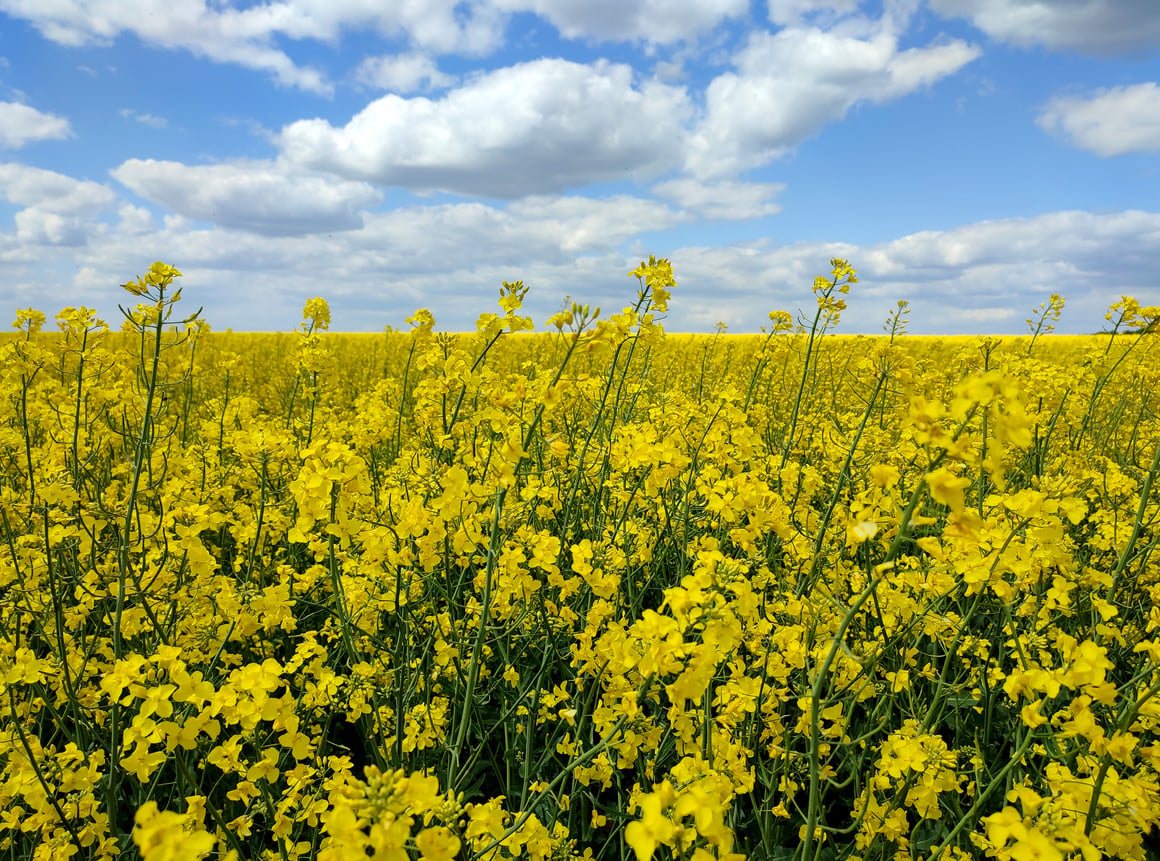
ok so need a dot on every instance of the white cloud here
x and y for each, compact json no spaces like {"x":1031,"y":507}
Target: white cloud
{"x":1101,"y":27}
{"x":436,"y":26}
{"x":452,"y":257}
{"x":87,"y":278}
{"x":987,"y":315}
{"x":248,"y":37}
{"x":1089,"y":258}
{"x":1112,"y":122}
{"x":427,"y":240}
{"x":13,"y":254}
{"x":260,"y":196}
{"x":49,"y":191}
{"x":150,"y":120}
{"x":723,"y":200}
{"x":654,"y":21}
{"x":532,"y":128}
{"x":224,"y":35}
{"x":921,"y":67}
{"x":955,"y":279}
{"x":548,"y":231}
{"x":1084,"y":239}
{"x":135,"y":220}
{"x":58,"y":210}
{"x":583,"y":225}
{"x":403,"y":73}
{"x":789,"y":85}
{"x":20,"y":125}
{"x":41,"y":227}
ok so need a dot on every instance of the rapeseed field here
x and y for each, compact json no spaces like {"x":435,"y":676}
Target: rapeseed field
{"x":598,"y":592}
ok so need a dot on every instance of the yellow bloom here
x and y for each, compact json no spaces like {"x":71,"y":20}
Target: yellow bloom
{"x":860,"y":531}
{"x":947,"y":488}
{"x":167,"y":836}
{"x":437,"y":844}
{"x":653,"y":828}
{"x":316,"y":314}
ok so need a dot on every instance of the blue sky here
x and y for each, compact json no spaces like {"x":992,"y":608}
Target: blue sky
{"x":969,"y":156}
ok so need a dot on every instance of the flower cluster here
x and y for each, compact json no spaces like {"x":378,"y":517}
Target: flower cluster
{"x":597,"y":593}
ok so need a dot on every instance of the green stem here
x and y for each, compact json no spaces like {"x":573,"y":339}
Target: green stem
{"x":1137,"y":525}
{"x":807,"y":583}
{"x":123,"y":564}
{"x":971,"y":816}
{"x":813,"y":810}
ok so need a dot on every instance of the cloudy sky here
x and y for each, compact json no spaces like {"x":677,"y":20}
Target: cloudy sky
{"x":969,"y":156}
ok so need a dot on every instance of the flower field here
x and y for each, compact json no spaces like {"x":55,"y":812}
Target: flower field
{"x":596,"y":592}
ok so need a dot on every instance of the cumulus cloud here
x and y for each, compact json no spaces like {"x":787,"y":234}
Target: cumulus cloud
{"x":1089,"y":258}
{"x":978,"y":278}
{"x":451,"y":257}
{"x":533,"y":128}
{"x":222,"y":34}
{"x":583,"y":225}
{"x":983,"y":277}
{"x":41,"y":227}
{"x":987,"y":315}
{"x":789,"y":85}
{"x":21,"y":125}
{"x":1087,"y":241}
{"x":249,"y":36}
{"x":422,"y":240}
{"x":550,"y":125}
{"x":260,"y":196}
{"x":57,"y":209}
{"x":1112,"y":122}
{"x":135,"y":220}
{"x":1099,"y":27}
{"x":655,"y":21}
{"x":49,"y":191}
{"x":402,"y":73}
{"x":16,"y":257}
{"x":552,"y":231}
{"x":723,"y":201}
